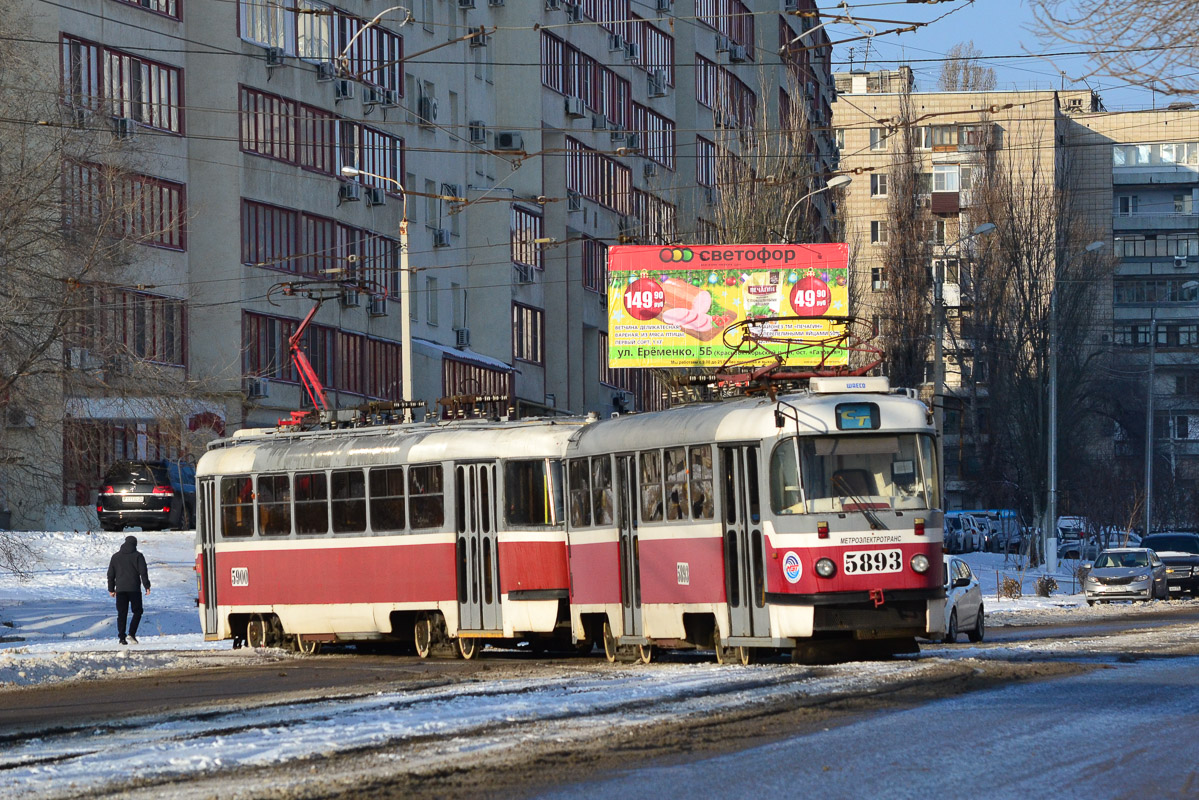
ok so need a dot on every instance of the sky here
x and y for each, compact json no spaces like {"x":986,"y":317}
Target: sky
{"x":997,"y":28}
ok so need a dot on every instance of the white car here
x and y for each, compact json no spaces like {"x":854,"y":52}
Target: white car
{"x":963,"y":602}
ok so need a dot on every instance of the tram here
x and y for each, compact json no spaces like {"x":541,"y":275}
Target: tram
{"x":808,"y":523}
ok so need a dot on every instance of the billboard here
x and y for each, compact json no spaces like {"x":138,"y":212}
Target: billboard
{"x":671,"y":306}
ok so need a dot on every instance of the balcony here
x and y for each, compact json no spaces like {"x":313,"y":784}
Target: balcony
{"x":1127,"y":223}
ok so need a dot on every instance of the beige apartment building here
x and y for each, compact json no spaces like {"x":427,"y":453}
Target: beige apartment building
{"x":519,"y":139}
{"x":1134,"y":179}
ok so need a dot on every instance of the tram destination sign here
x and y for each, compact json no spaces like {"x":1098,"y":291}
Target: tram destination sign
{"x":672,"y":306}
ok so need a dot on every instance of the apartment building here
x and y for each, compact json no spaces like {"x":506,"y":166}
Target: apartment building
{"x":518,"y":139}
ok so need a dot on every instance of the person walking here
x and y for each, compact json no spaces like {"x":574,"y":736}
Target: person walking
{"x":126,"y":575}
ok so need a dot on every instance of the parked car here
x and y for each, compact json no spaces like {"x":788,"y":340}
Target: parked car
{"x":1126,"y":573}
{"x":963,"y":534}
{"x":963,"y":602}
{"x":1180,"y":552}
{"x":145,"y":494}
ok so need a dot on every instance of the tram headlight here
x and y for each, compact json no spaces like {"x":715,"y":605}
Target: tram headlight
{"x":825,"y":568}
{"x":920,"y":563}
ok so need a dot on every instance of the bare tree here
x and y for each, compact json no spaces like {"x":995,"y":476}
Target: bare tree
{"x":962,"y":72}
{"x":1147,"y":42}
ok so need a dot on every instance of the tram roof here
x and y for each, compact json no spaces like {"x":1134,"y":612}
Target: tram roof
{"x":746,"y":419}
{"x":271,"y":450}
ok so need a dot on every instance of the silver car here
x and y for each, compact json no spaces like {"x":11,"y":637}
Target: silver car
{"x":1126,"y":573}
{"x":963,"y":602}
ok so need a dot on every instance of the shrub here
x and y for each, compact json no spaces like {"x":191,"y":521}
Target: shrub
{"x":1010,"y":588}
{"x":1045,"y":586}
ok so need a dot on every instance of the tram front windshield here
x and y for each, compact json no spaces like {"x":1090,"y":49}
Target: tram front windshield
{"x":853,"y":473}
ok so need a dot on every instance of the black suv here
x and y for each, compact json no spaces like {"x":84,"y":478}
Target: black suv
{"x":1180,"y":551}
{"x":146,"y":494}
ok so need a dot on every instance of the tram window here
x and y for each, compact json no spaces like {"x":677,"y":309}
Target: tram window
{"x":601,"y":490}
{"x":677,"y":501}
{"x":274,"y":505}
{"x":387,"y":499}
{"x":702,"y":506}
{"x":651,"y":486}
{"x":785,"y":497}
{"x":349,"y":501}
{"x":579,"y":478}
{"x":237,"y":506}
{"x":533,"y":492}
{"x":312,"y":503}
{"x":426,"y":497}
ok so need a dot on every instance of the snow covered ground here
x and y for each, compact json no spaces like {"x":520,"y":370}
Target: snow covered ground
{"x":60,"y":624}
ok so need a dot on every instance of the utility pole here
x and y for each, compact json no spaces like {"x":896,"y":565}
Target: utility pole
{"x":1149,"y":425}
{"x":1051,"y":499}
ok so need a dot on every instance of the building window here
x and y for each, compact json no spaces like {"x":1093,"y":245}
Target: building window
{"x":878,"y":231}
{"x":104,"y":80}
{"x":110,"y":321}
{"x":945,"y":178}
{"x":464,"y":378}
{"x":705,"y":162}
{"x":878,"y":279}
{"x":169,"y":8}
{"x":432,"y":301}
{"x":528,"y":326}
{"x":878,"y":185}
{"x":878,"y":139}
{"x":595,"y":265}
{"x":597,"y":177}
{"x":145,"y":210}
{"x":944,"y":137}
{"x":1127,"y":204}
{"x":526,"y":230}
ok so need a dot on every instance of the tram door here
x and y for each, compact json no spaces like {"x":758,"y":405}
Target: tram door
{"x":478,"y":563}
{"x":630,"y":560}
{"x":744,"y":545}
{"x":206,"y":522}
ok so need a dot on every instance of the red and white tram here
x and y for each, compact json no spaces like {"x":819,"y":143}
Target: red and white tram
{"x":807,"y":523}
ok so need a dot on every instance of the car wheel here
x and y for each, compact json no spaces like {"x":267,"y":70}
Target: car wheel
{"x":1090,"y":602}
{"x":979,"y":631}
{"x":951,"y":630}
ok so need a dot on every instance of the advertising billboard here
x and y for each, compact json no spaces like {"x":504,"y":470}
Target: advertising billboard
{"x":671,"y":306}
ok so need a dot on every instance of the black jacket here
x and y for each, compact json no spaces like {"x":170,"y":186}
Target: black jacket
{"x":127,"y":568}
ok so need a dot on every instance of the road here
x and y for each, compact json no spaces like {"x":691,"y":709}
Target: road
{"x":352,"y":725}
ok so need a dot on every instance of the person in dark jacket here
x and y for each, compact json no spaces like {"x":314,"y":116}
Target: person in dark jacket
{"x":126,"y":576}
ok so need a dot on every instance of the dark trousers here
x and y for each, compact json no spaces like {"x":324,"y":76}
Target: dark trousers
{"x":125,"y":601}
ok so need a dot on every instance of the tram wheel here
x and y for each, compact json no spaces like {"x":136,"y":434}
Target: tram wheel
{"x":256,"y":632}
{"x":307,"y":645}
{"x":724,"y":655}
{"x":609,"y":643}
{"x":422,"y":636}
{"x":468,"y":647}
{"x":645,"y":652}
{"x":745,"y":655}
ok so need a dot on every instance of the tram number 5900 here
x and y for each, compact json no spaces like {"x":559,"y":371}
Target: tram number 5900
{"x":873,"y":561}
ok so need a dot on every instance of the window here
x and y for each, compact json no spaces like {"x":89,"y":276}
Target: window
{"x":705,"y":162}
{"x":878,"y":139}
{"x":677,"y":495}
{"x":1126,"y":205}
{"x":426,"y":497}
{"x":1183,"y":204}
{"x":528,"y":325}
{"x":650,"y":486}
{"x":601,"y":490}
{"x":142,"y":209}
{"x":169,"y":8}
{"x":349,"y":501}
{"x":878,"y":185}
{"x":700,"y":459}
{"x":312,"y":503}
{"x":118,"y":84}
{"x":595,"y":265}
{"x":839,"y":133}
{"x":387,"y":499}
{"x":268,"y":125}
{"x":944,"y":137}
{"x":274,"y":505}
{"x":108,"y":321}
{"x":533,"y":493}
{"x":597,"y":177}
{"x":878,"y":278}
{"x":432,"y":300}
{"x":237,"y":505}
{"x":878,"y":231}
{"x":579,"y":477}
{"x":526,"y":229}
{"x":945,"y":178}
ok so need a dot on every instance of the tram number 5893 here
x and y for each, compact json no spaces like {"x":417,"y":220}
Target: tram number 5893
{"x":862,"y":561}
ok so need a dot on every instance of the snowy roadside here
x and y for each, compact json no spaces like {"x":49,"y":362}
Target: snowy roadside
{"x":60,"y":624}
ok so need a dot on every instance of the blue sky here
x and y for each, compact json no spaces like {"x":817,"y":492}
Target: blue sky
{"x":997,"y":28}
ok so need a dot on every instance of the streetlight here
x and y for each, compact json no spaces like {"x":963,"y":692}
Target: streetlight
{"x":344,"y":57}
{"x":405,"y":293}
{"x":835,"y":182}
{"x":938,"y":355}
{"x":869,"y":30}
{"x":1050,"y":531}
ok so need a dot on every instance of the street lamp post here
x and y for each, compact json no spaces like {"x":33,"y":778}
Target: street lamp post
{"x":834,"y":182}
{"x":1050,"y":529}
{"x":938,"y":344}
{"x":405,"y":293}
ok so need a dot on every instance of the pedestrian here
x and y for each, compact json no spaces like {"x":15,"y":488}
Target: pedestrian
{"x":126,"y":576}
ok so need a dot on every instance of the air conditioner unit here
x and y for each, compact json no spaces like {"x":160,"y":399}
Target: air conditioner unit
{"x":349,"y":192}
{"x":576,"y":107}
{"x":17,"y":418}
{"x":274,"y":56}
{"x":722,"y":43}
{"x":375,"y":196}
{"x":390,"y":98}
{"x":466,"y":3}
{"x":617,"y":134}
{"x":351,"y":297}
{"x":343,"y":90}
{"x":371,"y":96}
{"x":480,"y":38}
{"x":478,"y":131}
{"x":123,"y":127}
{"x":524,"y":273}
{"x":737,"y":53}
{"x":1180,"y":262}
{"x":553,"y":5}
{"x":811,"y":89}
{"x":257,"y":388}
{"x":664,"y":5}
{"x":441,"y":237}
{"x":615,"y":43}
{"x":509,"y":140}
{"x":657,"y":86}
{"x":790,"y":5}
{"x":649,"y":169}
{"x":574,"y":12}
{"x":461,"y":337}
{"x":599,"y":122}
{"x":426,"y":110}
{"x":377,"y":306}
{"x":495,"y":2}
{"x":632,"y":52}
{"x":574,"y":200}
{"x":326,"y":71}
{"x":633,"y":141}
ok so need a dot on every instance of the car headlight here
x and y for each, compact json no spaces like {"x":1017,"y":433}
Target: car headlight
{"x":920,"y":563}
{"x":825,"y":568}
{"x":1136,"y":581}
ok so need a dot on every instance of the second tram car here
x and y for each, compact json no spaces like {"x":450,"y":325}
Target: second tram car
{"x":809,"y":523}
